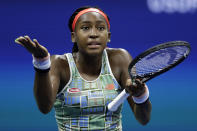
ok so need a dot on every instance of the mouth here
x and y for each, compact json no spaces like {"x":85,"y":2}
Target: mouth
{"x":94,"y":45}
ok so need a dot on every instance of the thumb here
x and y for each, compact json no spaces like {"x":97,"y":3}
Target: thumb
{"x":39,"y":46}
{"x":41,"y":51}
{"x":128,"y":86}
{"x":128,"y":82}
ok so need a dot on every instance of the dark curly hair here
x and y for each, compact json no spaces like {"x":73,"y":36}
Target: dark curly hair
{"x":72,"y":17}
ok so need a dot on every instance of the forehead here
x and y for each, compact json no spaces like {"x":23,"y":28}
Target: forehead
{"x":91,"y":17}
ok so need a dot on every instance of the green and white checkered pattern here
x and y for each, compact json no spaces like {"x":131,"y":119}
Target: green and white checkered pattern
{"x":85,"y":108}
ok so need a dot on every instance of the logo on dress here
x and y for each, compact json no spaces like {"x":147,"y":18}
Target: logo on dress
{"x":109,"y":87}
{"x":73,"y":90}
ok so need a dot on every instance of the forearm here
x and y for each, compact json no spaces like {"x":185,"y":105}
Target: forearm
{"x":140,"y":104}
{"x":43,"y":92}
{"x":142,"y":112}
{"x":45,"y":86}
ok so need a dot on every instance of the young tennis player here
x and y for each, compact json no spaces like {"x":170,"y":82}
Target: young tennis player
{"x":80,"y":85}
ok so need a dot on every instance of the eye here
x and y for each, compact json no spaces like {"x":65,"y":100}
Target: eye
{"x":85,"y":28}
{"x":101,"y":28}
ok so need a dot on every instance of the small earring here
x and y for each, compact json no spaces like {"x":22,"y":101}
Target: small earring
{"x":109,"y":40}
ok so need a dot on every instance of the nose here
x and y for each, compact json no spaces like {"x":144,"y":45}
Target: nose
{"x":94,"y":33}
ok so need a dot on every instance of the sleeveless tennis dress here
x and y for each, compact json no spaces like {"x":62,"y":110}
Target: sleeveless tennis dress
{"x":81,"y":105}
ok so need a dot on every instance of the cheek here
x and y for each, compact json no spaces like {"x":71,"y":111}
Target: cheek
{"x":105,"y":36}
{"x":82,"y":35}
{"x":80,"y":38}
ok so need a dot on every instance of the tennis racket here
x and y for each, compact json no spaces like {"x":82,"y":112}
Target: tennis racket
{"x":153,"y":62}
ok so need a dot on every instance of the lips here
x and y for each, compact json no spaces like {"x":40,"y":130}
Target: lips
{"x":93,"y":45}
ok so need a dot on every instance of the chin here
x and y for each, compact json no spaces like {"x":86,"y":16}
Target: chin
{"x":95,"y":52}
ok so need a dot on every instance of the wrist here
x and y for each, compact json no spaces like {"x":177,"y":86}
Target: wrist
{"x":42,"y":64}
{"x":142,"y":98}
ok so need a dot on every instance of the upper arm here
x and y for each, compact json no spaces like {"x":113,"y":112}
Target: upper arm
{"x":119,"y":60}
{"x":54,"y":74}
{"x":125,"y":61}
{"x":59,"y":72}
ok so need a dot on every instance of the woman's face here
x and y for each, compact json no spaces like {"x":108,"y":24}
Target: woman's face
{"x":91,"y":33}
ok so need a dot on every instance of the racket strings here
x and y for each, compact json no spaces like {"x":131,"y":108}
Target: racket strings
{"x":158,"y":60}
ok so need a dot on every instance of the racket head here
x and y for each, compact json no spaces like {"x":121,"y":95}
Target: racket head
{"x":158,"y":59}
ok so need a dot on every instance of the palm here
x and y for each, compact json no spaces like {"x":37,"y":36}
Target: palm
{"x":33,"y":47}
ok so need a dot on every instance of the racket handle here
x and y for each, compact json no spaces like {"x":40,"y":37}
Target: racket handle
{"x":113,"y":106}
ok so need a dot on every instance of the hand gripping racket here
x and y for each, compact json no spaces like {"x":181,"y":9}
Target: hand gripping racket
{"x":153,"y":62}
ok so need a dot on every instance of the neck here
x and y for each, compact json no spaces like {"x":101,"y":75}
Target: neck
{"x":88,"y":65}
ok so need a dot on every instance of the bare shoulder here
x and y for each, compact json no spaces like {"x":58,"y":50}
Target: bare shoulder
{"x":118,"y":54}
{"x":119,"y":60}
{"x":59,"y":63}
{"x":59,"y":60}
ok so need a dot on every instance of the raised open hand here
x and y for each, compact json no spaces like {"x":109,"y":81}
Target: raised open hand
{"x":33,"y":47}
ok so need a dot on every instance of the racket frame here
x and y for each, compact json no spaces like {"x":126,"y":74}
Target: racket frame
{"x":149,"y":76}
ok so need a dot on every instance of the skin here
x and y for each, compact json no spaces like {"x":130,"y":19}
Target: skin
{"x":91,"y":35}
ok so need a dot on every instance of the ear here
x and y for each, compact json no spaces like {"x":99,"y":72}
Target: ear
{"x":109,"y":37}
{"x":73,"y":37}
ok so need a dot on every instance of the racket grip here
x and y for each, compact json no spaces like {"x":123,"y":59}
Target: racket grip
{"x":113,"y":106}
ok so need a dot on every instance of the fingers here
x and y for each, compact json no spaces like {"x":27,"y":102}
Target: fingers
{"x":17,"y":41}
{"x":28,"y":40}
{"x":33,"y":47}
{"x":25,"y":41}
{"x":129,"y":86}
{"x":20,"y":40}
{"x":135,"y":83}
{"x":36,"y":43}
{"x":135,"y":88}
{"x":138,"y":82}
